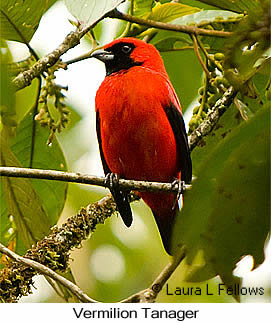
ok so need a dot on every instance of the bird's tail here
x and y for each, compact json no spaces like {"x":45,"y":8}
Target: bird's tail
{"x":164,"y":210}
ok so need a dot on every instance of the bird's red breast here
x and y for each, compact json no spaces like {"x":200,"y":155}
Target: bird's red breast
{"x":137,"y":138}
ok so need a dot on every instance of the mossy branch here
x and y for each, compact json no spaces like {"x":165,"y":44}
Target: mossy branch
{"x":53,"y":250}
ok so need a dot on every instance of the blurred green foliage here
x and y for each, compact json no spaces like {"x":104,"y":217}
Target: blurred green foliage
{"x":225,"y":215}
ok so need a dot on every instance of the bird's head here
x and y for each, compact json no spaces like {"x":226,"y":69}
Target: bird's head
{"x":125,"y":53}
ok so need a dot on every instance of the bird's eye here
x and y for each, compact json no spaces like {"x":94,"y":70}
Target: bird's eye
{"x":126,"y":49}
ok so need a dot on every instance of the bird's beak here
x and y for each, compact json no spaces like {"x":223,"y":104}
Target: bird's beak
{"x":103,"y":55}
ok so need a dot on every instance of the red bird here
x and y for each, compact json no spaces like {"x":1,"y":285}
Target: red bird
{"x":140,"y":128}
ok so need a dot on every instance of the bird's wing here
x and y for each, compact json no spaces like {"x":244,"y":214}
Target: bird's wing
{"x":120,"y":197}
{"x":176,"y":121}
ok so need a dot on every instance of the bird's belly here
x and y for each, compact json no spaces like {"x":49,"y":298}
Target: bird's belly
{"x":140,"y":145}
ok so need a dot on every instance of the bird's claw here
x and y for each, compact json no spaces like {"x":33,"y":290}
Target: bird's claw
{"x":178,"y":186}
{"x":112,"y":181}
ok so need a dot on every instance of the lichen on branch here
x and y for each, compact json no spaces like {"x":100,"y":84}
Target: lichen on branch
{"x":53,"y":250}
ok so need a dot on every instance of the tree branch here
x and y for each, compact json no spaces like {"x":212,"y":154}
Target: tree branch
{"x":53,"y":251}
{"x":39,"y":268}
{"x":213,"y":116}
{"x":89,"y":179}
{"x":150,"y":294}
{"x":71,"y":40}
{"x":167,"y":26}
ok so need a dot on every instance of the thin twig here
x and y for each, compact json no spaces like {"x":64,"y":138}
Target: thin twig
{"x":208,"y":57}
{"x":33,"y":134}
{"x":88,"y":179}
{"x":80,"y":58}
{"x":150,"y":294}
{"x":196,"y":50}
{"x":176,"y":49}
{"x":167,"y":26}
{"x":74,"y":289}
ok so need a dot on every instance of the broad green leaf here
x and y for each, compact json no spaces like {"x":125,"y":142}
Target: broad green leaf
{"x":7,"y":111}
{"x":164,"y":13}
{"x":231,"y":218}
{"x":88,"y":11}
{"x":236,"y":5}
{"x":185,"y":73}
{"x":22,"y":201}
{"x":142,"y":7}
{"x":20,"y":19}
{"x":52,"y":194}
{"x":206,"y":16}
{"x":5,"y":223}
{"x":170,"y":11}
{"x":181,"y":40}
{"x":230,"y":120}
{"x":7,"y":93}
{"x":25,"y":100}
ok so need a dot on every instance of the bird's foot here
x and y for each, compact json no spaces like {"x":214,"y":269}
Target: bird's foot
{"x":177,"y":185}
{"x":112,"y":181}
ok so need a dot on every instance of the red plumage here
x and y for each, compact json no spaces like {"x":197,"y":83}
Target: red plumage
{"x":140,"y":127}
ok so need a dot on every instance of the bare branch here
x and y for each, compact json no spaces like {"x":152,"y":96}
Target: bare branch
{"x":89,"y":179}
{"x":166,"y":26}
{"x":74,"y":289}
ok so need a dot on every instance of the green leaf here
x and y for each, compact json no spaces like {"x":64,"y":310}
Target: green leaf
{"x":170,"y":11}
{"x":7,"y":111}
{"x":22,"y":201}
{"x":88,"y":11}
{"x":5,"y":223}
{"x":236,"y":5}
{"x":206,"y":16}
{"x":250,"y":43}
{"x":142,"y":7}
{"x":232,"y":213}
{"x":230,"y":120}
{"x":20,"y":19}
{"x":7,"y":98}
{"x":181,"y":40}
{"x":185,"y":64}
{"x":52,"y":194}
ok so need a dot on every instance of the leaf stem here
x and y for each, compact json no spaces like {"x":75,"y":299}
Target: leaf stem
{"x":196,"y":49}
{"x":33,"y":134}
